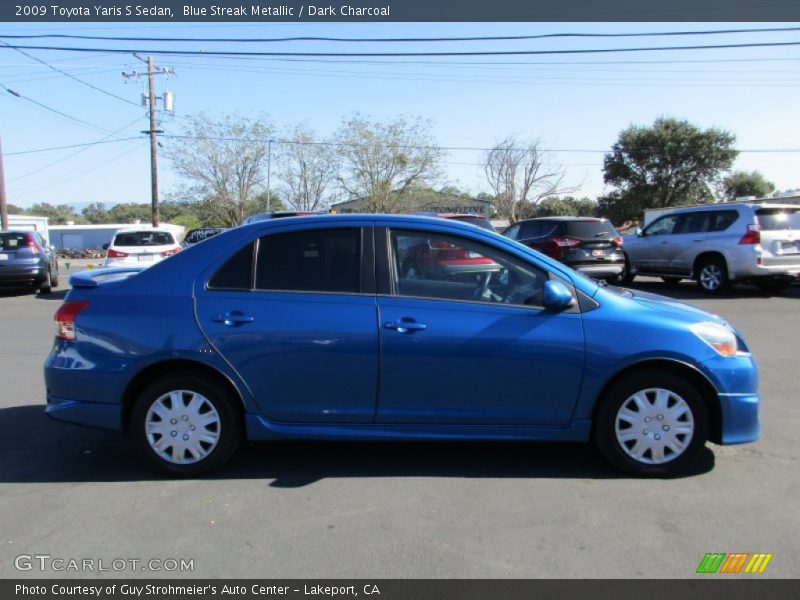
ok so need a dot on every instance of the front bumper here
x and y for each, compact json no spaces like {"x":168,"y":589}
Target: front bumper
{"x":740,"y":423}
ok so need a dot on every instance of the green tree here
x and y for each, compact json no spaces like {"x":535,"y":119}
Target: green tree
{"x":224,"y":163}
{"x":13,"y":209}
{"x":96,"y":213}
{"x":58,"y":215}
{"x":670,"y":163}
{"x":381,"y":160}
{"x":567,"y":206}
{"x":741,"y":183}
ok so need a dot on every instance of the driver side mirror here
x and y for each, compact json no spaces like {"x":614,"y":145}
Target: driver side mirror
{"x":639,"y":232}
{"x":557,"y":296}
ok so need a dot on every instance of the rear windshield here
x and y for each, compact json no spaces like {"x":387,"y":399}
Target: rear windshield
{"x":771,"y":219}
{"x":589,"y":230}
{"x":144,"y":238}
{"x":12,"y":241}
{"x":479,"y":221}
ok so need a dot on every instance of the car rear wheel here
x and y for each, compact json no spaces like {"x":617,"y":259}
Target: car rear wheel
{"x":626,"y":277}
{"x":185,"y":424}
{"x":652,"y":423}
{"x":47,"y":285}
{"x":712,"y":276}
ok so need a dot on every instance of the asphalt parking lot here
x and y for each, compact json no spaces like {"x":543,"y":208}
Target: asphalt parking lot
{"x":399,"y":510}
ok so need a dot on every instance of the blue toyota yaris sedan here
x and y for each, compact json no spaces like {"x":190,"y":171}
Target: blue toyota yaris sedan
{"x":313,"y":327}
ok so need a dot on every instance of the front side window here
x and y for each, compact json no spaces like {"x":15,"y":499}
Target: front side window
{"x":445,"y":267}
{"x":662,"y":226}
{"x":316,"y":260}
{"x":512,"y":232}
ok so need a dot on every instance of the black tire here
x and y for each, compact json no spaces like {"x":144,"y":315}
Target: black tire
{"x":47,"y":285}
{"x":229,"y":427}
{"x":712,"y":276}
{"x":54,"y":278}
{"x":671,"y":280}
{"x":626,"y":277}
{"x":773,"y":286}
{"x":605,"y":436}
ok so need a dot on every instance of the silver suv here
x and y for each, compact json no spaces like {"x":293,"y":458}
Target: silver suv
{"x":720,"y":244}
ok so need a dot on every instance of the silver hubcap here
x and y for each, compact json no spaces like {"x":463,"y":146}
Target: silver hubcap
{"x":711,"y":277}
{"x":182,"y":427}
{"x":654,"y":426}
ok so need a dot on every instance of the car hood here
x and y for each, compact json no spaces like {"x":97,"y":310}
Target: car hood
{"x":686,"y":312}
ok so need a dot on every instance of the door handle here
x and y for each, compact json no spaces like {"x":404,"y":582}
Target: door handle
{"x":405,"y":326}
{"x":233,"y":318}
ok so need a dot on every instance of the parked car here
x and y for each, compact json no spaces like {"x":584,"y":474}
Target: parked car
{"x":277,"y":214}
{"x":472,"y":218}
{"x":27,"y":260}
{"x":140,"y":246}
{"x":591,"y":246}
{"x":720,"y":244}
{"x":309,"y":329}
{"x":198,"y":235}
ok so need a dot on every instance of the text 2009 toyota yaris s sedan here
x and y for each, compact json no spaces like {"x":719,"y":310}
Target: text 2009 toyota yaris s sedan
{"x":311,"y":328}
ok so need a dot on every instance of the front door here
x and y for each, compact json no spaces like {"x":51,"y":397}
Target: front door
{"x":470,"y":343}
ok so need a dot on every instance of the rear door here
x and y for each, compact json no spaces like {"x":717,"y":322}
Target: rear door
{"x":294,"y":312}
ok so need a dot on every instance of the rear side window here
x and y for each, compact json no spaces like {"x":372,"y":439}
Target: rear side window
{"x":774,"y":219}
{"x":697,"y":222}
{"x":319,"y":260}
{"x":481,"y":222}
{"x":144,"y":238}
{"x":512,"y":232}
{"x":529,"y":229}
{"x":12,"y":241}
{"x":236,"y":273}
{"x":722,"y":219}
{"x":589,"y":230}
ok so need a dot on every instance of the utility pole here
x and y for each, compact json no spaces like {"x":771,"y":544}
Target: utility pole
{"x":3,"y":201}
{"x":269,"y":172}
{"x":151,"y":97}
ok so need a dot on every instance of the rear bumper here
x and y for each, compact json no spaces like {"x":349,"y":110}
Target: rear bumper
{"x":91,"y":414}
{"x":22,"y":275}
{"x":599,"y":270}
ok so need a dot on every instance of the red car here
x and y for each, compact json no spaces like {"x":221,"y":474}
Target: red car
{"x":442,"y":260}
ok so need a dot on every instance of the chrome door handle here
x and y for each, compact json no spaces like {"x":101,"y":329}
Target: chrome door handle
{"x":233,"y":318}
{"x":405,"y":326}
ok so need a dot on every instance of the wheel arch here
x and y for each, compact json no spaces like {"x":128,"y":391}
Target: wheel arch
{"x":706,"y":254}
{"x":157,"y":370}
{"x":703,"y":385}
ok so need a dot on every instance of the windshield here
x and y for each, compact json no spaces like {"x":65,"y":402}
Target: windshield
{"x":771,"y":219}
{"x":144,"y":238}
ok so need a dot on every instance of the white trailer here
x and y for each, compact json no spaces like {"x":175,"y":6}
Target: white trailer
{"x":29,"y":223}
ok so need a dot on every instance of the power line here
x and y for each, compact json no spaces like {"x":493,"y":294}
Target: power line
{"x":71,"y":76}
{"x":412,"y":147}
{"x":53,"y":148}
{"x":64,"y":158}
{"x":52,"y":110}
{"x":476,"y":38}
{"x":405,"y":54}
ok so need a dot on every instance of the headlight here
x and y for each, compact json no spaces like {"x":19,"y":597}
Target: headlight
{"x":720,"y":338}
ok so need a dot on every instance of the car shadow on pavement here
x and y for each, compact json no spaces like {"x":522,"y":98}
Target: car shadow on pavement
{"x":688,"y":290}
{"x":36,"y":449}
{"x":57,"y":295}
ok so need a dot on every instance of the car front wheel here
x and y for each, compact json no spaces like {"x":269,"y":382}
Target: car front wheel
{"x":652,"y":423}
{"x":185,"y":424}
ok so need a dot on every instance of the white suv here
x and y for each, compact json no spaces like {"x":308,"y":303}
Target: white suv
{"x":140,"y":247}
{"x":720,"y":244}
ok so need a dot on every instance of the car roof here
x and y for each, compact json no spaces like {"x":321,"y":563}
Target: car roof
{"x":143,"y":228}
{"x":566,"y":219}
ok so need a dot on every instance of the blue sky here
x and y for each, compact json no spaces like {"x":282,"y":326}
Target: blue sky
{"x":576,"y":102}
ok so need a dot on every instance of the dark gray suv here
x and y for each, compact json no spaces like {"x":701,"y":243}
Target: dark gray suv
{"x":26,"y":260}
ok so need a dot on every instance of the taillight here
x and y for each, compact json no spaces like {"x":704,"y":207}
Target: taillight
{"x":618,"y":240}
{"x":65,"y":318}
{"x":171,"y":251}
{"x":116,"y":253}
{"x":32,"y":244}
{"x":752,"y":236}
